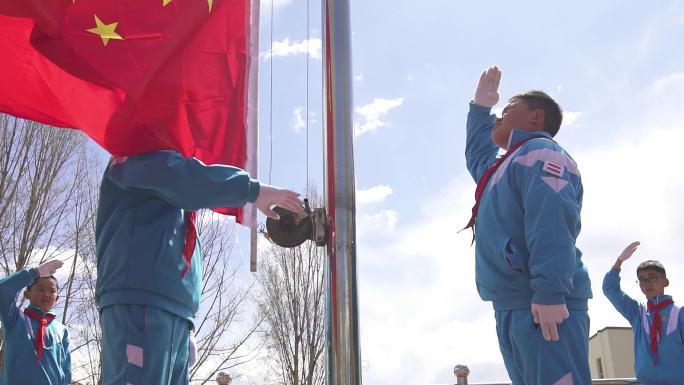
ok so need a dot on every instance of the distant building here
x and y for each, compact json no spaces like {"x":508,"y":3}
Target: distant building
{"x":611,"y":353}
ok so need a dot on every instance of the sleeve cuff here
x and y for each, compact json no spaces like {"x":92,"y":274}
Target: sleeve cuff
{"x":254,"y":188}
{"x":548,"y":299}
{"x":476,"y":108}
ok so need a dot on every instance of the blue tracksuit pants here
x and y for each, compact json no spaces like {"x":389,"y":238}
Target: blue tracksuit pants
{"x":143,"y":345}
{"x":530,"y":360}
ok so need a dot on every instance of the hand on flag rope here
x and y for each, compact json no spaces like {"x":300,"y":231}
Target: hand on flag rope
{"x":270,"y":196}
{"x":487,"y":92}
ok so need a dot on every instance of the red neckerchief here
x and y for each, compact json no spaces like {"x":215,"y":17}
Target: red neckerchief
{"x":482,"y":183}
{"x":43,"y":322}
{"x":657,"y":324}
{"x":190,"y":241}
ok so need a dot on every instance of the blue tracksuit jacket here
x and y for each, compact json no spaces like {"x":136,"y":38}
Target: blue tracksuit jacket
{"x":141,"y":227}
{"x":670,"y":367}
{"x":528,"y":220}
{"x":19,"y":365}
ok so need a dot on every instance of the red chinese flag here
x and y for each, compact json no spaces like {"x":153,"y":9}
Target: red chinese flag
{"x":135,"y":75}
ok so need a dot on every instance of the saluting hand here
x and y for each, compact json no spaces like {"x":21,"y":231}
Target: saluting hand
{"x":487,"y":93}
{"x":48,"y":268}
{"x":629,"y":250}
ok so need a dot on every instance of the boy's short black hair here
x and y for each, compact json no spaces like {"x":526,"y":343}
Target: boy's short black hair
{"x":553,"y":115}
{"x":36,"y":281}
{"x":651,"y":265}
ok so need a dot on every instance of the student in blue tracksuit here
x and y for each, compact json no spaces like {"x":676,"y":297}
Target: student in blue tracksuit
{"x":658,"y":326}
{"x":149,"y":259}
{"x":526,"y":221}
{"x":36,"y":344}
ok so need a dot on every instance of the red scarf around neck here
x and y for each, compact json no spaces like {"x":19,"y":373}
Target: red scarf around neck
{"x":656,"y":324}
{"x":43,"y":322}
{"x":482,"y":184}
{"x":190,"y":241}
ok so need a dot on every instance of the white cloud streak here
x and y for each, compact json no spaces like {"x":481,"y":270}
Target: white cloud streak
{"x":373,"y":194}
{"x":373,"y":114}
{"x":298,"y":122}
{"x":286,"y":48}
{"x":571,"y":118}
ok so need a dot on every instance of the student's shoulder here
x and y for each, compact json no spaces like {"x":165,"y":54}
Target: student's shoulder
{"x":542,"y":142}
{"x":544,"y":152}
{"x":58,"y":325}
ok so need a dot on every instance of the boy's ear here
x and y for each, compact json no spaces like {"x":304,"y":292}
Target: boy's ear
{"x":667,"y":282}
{"x":26,"y":293}
{"x":537,"y":117}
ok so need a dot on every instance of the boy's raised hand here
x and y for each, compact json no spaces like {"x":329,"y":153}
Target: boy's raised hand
{"x":629,"y":250}
{"x":48,"y":268}
{"x":270,"y":196}
{"x":487,"y":92}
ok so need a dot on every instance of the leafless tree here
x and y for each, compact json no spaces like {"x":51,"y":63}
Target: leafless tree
{"x":291,"y":301}
{"x":79,"y":309}
{"x":34,"y":188}
{"x":37,"y":192}
{"x":224,"y":325}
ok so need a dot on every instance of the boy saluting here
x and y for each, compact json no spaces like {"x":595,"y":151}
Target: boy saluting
{"x":36,"y":344}
{"x":526,"y":220}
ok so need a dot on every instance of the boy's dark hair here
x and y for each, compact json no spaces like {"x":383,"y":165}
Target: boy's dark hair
{"x":36,"y":281}
{"x":553,"y":115}
{"x":651,"y":265}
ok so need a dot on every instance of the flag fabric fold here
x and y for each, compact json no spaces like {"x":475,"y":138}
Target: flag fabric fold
{"x":134,"y":75}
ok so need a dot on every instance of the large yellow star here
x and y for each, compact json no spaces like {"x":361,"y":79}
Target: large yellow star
{"x":105,"y":31}
{"x":211,"y":2}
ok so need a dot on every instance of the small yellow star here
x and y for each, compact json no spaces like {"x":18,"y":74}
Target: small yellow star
{"x":165,"y":2}
{"x":105,"y":31}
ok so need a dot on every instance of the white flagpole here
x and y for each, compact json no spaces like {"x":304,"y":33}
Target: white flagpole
{"x":251,"y":165}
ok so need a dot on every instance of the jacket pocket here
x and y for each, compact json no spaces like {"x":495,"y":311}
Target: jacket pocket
{"x":515,"y":258}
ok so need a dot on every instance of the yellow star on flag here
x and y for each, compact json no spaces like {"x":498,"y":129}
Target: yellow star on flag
{"x":211,"y":2}
{"x":105,"y":31}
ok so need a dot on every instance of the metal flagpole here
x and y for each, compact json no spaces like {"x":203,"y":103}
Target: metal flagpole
{"x":343,"y":366}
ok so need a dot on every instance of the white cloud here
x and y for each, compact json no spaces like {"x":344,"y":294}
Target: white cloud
{"x":665,"y":82}
{"x":285,"y":48}
{"x":419,"y":304}
{"x":298,"y":122}
{"x":358,"y":78}
{"x":571,"y":118}
{"x":373,"y":194}
{"x":374,"y":113}
{"x":377,"y":224}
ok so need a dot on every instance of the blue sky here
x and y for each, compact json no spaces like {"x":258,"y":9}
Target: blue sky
{"x":617,"y":69}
